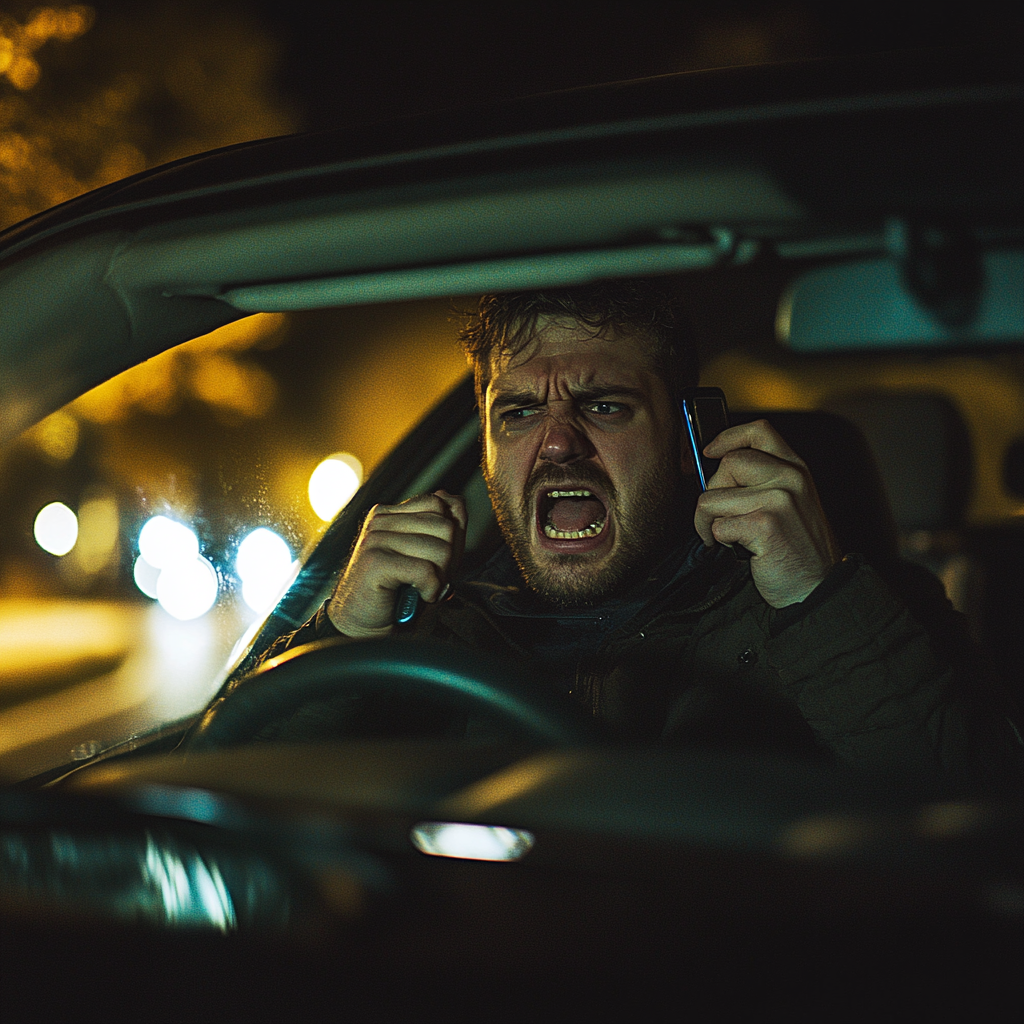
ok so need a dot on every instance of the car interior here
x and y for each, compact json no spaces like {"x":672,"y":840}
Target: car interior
{"x":259,"y":877}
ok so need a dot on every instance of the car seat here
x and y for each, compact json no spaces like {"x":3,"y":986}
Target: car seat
{"x":923,"y":451}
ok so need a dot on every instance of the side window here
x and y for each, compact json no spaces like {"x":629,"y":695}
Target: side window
{"x":145,"y":527}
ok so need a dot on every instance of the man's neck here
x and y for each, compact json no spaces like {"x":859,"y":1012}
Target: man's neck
{"x":510,"y":594}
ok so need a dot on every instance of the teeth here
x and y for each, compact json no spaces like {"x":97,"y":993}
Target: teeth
{"x":591,"y":531}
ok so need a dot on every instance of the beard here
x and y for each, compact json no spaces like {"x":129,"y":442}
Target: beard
{"x":648,"y":522}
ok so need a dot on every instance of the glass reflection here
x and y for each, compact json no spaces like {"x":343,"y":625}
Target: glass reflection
{"x":471,"y":842}
{"x":147,"y":877}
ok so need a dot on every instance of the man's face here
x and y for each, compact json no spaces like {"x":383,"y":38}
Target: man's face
{"x":583,"y":463}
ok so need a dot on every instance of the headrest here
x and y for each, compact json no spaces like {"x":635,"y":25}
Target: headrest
{"x":923,"y":451}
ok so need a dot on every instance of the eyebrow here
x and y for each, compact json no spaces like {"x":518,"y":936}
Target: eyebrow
{"x":520,"y":396}
{"x":593,"y":392}
{"x":583,"y":393}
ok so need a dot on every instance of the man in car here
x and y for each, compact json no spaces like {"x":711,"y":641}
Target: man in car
{"x":620,"y":585}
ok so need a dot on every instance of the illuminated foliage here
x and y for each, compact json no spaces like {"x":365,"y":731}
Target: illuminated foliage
{"x":19,"y":42}
{"x":84,"y":101}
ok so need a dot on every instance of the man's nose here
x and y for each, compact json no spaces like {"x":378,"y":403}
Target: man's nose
{"x":563,"y":443}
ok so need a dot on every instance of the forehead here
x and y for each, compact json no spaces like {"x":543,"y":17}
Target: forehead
{"x":574,"y":353}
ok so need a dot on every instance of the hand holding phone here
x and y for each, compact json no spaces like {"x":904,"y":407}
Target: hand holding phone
{"x":705,"y":416}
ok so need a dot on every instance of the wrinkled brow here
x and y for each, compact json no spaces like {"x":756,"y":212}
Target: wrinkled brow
{"x":504,"y":397}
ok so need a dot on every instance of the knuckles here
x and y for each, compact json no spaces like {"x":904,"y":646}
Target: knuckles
{"x":429,"y":523}
{"x":762,"y":473}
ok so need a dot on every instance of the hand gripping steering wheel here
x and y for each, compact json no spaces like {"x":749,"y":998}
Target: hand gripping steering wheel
{"x":466,"y":680}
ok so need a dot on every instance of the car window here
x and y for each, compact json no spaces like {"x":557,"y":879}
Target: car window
{"x":152,"y":524}
{"x":224,"y":434}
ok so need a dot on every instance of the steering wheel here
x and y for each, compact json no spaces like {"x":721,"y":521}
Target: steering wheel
{"x":466,"y":680}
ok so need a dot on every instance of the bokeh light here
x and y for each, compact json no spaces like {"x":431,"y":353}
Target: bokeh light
{"x":56,"y":528}
{"x":164,"y":542}
{"x":56,"y":436}
{"x":171,"y":569}
{"x":264,"y":565}
{"x":19,"y":42}
{"x":99,"y":523}
{"x":149,"y":85}
{"x":187,"y":589}
{"x":333,"y":483}
{"x":145,"y":576}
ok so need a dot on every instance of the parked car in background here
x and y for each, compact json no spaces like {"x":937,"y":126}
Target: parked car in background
{"x":848,"y":235}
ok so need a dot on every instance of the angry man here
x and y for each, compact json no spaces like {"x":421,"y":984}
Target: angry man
{"x":618,"y":583}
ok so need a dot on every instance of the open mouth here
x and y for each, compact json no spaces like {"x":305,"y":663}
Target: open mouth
{"x":571,"y":514}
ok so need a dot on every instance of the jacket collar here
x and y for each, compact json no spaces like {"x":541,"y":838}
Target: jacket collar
{"x":689,"y":576}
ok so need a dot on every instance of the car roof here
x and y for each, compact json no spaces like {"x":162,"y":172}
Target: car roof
{"x":661,"y":175}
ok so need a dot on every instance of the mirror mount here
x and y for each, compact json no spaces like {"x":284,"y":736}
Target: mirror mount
{"x":939,"y":266}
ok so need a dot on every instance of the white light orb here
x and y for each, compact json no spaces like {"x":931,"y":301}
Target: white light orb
{"x":333,"y":483}
{"x":263,"y":553}
{"x":56,"y":528}
{"x":146,"y":576}
{"x":262,"y":594}
{"x":187,"y":590}
{"x":264,"y":565}
{"x":163,"y":542}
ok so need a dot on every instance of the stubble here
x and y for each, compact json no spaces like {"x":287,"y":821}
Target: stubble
{"x":648,"y":523}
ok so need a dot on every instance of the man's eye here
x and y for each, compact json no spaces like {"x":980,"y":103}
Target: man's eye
{"x":510,"y":415}
{"x":604,"y":408}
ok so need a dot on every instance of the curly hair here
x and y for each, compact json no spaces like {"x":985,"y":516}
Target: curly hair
{"x":504,"y":324}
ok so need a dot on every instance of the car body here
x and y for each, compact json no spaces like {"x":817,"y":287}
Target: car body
{"x":251,"y":881}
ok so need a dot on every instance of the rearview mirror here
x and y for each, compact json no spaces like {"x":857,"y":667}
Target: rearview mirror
{"x":866,"y":304}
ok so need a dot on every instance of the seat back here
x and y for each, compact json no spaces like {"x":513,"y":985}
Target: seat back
{"x":923,"y":451}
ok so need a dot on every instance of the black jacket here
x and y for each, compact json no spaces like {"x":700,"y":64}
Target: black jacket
{"x":855,"y":673}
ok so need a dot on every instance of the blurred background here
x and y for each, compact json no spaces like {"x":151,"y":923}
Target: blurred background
{"x":173,"y":502}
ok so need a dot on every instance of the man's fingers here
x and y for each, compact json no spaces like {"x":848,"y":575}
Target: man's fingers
{"x":429,"y":524}
{"x":762,"y":496}
{"x":441,"y":515}
{"x":428,"y":503}
{"x":393,"y":569}
{"x":456,"y":506}
{"x":417,"y":543}
{"x":724,"y":502}
{"x":731,"y":515}
{"x":759,"y":435}
{"x":756,"y":468}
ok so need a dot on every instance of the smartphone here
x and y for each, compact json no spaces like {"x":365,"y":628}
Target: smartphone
{"x":705,"y":416}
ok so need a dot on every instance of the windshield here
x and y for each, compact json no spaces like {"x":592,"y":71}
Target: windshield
{"x":152,"y":524}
